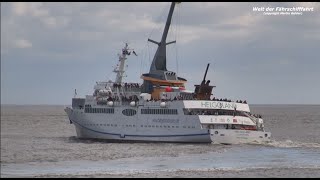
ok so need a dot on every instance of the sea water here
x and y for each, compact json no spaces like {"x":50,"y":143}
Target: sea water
{"x":39,"y":141}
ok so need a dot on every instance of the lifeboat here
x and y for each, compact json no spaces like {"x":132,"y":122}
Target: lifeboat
{"x":103,"y":92}
{"x":102,"y":100}
{"x":169,"y":89}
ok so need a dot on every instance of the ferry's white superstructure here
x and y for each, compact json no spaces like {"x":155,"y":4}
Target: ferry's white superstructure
{"x":161,"y":110}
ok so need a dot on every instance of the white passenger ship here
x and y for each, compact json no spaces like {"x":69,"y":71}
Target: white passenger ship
{"x":161,"y":110}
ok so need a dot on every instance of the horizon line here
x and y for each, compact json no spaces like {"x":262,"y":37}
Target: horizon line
{"x":70,"y":104}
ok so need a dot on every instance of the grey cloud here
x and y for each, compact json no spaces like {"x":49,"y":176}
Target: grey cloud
{"x":252,"y":56}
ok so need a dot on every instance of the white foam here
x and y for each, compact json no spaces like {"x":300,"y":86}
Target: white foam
{"x":289,"y":144}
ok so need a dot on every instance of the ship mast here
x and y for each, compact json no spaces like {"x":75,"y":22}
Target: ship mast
{"x":120,"y":67}
{"x":158,"y":69}
{"x":159,"y":60}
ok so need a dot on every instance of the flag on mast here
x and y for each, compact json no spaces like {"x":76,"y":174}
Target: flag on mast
{"x":134,"y":53}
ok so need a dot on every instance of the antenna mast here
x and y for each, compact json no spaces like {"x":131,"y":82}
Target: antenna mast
{"x":120,"y":67}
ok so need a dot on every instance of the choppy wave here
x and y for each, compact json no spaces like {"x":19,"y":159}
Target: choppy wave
{"x":171,"y":172}
{"x":38,"y":141}
{"x":290,"y":144}
{"x":281,"y":144}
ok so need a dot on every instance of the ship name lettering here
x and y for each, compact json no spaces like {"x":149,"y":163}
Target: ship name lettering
{"x":217,"y":105}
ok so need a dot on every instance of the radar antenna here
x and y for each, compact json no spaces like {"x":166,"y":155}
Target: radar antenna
{"x":119,"y":69}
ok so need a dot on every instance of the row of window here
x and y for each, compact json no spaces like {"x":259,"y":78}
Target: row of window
{"x":112,"y":125}
{"x":132,"y":112}
{"x":146,"y":126}
{"x":159,"y":111}
{"x":213,"y":112}
{"x":164,"y":126}
{"x":99,"y":110}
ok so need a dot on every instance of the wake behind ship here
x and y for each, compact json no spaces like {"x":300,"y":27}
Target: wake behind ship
{"x":161,"y":109}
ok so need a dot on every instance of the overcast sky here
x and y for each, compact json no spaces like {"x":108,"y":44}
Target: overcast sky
{"x":50,"y":49}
